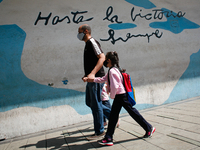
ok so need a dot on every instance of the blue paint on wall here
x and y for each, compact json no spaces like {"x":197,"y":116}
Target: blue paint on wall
{"x":174,"y":24}
{"x":121,"y":26}
{"x":142,"y":3}
{"x":188,"y":85}
{"x":1,"y":1}
{"x":65,"y":82}
{"x":16,"y":90}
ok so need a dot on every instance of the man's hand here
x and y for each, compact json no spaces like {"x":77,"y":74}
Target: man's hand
{"x":90,"y":77}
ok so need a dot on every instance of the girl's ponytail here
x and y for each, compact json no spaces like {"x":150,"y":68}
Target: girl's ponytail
{"x":113,"y":56}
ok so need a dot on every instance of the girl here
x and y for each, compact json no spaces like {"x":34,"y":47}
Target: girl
{"x":118,"y":93}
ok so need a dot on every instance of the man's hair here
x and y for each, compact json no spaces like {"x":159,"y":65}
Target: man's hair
{"x":84,"y":27}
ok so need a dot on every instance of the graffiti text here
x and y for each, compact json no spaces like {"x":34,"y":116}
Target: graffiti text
{"x":158,"y":14}
{"x":108,"y":13}
{"x":129,"y":35}
{"x":57,"y":19}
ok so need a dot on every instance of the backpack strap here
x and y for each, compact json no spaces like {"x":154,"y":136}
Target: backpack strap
{"x":108,"y":76}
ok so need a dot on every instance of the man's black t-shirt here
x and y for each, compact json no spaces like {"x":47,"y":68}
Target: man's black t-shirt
{"x":91,"y":51}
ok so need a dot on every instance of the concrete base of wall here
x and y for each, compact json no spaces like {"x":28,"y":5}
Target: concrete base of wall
{"x":26,"y":120}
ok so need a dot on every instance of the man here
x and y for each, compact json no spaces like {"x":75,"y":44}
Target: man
{"x":93,"y":67}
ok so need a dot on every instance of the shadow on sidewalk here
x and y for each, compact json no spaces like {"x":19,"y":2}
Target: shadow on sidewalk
{"x":71,"y":141}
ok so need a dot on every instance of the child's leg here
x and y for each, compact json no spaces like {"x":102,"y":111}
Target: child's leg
{"x":107,"y":104}
{"x":104,"y":120}
{"x":133,"y":112}
{"x":114,"y":116}
{"x":106,"y":111}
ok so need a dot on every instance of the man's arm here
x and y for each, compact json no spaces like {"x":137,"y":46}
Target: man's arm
{"x":98,"y":66}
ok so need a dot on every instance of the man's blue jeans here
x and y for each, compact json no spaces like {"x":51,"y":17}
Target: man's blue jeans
{"x":93,"y":100}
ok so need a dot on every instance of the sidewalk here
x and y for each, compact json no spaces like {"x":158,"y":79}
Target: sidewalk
{"x":177,"y":127}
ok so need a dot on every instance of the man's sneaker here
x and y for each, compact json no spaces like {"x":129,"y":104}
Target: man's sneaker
{"x":149,"y":134}
{"x":96,"y":136}
{"x":106,"y":141}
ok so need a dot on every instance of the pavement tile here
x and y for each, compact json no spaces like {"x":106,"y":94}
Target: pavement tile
{"x":169,"y":143}
{"x":194,"y":128}
{"x":76,"y":140}
{"x":114,"y":147}
{"x":145,"y":146}
{"x":185,"y":108}
{"x":38,"y":142}
{"x":185,"y":139}
{"x":4,"y":146}
{"x":86,"y":130}
{"x":124,"y":138}
{"x":131,"y":128}
{"x":172,"y":122}
{"x":56,"y":140}
{"x":190,"y":119}
{"x":165,"y":130}
{"x":130,"y":141}
{"x":196,"y":148}
{"x":15,"y":145}
{"x":180,"y":112}
{"x":186,"y":118}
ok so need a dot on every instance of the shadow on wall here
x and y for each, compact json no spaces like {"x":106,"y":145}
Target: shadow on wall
{"x":16,"y":90}
{"x":189,"y":83}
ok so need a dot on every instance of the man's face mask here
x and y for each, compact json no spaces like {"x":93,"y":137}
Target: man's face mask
{"x":80,"y":36}
{"x":105,"y":63}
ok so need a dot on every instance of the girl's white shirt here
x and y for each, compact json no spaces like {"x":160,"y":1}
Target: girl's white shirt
{"x":104,"y":93}
{"x":116,"y":82}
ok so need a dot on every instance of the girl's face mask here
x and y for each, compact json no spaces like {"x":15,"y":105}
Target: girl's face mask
{"x":80,"y":36}
{"x":105,"y":63}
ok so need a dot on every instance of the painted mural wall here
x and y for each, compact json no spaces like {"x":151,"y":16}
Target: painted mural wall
{"x":41,"y":59}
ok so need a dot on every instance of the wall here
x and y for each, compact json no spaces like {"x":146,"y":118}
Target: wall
{"x":42,"y":59}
